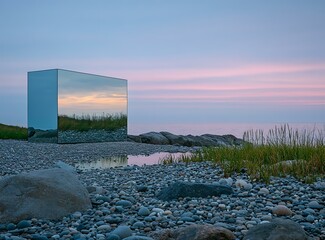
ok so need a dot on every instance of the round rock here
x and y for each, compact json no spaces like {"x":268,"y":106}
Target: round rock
{"x":143,"y":211}
{"x":122,"y":231}
{"x":281,"y":210}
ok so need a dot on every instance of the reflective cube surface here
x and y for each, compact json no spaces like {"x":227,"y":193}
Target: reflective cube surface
{"x":72,"y":107}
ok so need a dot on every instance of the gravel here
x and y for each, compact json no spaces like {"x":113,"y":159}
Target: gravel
{"x":124,"y":202}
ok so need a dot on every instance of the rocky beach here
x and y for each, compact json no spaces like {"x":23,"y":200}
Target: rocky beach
{"x":176,"y":201}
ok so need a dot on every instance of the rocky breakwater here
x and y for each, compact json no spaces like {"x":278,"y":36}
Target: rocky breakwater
{"x":167,"y":138}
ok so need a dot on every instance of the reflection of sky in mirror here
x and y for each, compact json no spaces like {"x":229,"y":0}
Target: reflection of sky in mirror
{"x":81,"y":94}
{"x":42,"y":99}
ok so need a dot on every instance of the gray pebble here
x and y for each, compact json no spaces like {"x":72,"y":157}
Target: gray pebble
{"x":122,"y":231}
{"x":24,"y":224}
{"x":315,"y":205}
{"x":123,"y":203}
{"x":143,"y":211}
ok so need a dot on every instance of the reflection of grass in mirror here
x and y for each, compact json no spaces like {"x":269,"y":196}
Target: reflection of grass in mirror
{"x":87,"y":122}
{"x":12,"y":132}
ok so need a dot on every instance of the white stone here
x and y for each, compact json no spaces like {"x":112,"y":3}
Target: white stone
{"x":240,"y":183}
{"x":263,"y":191}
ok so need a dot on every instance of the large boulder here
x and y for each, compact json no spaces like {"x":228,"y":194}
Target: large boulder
{"x":195,"y":232}
{"x":277,"y":229}
{"x":154,"y":138}
{"x":186,"y":189}
{"x":46,"y":194}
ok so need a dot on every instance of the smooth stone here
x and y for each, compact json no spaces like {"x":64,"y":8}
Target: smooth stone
{"x":100,"y":236}
{"x":187,"y":214}
{"x":113,"y":236}
{"x":143,"y":211}
{"x":263,"y":191}
{"x":123,"y":203}
{"x":119,"y":209}
{"x":308,"y":225}
{"x":276,"y":229}
{"x":308,"y":211}
{"x":314,"y":205}
{"x":310,"y":218}
{"x":138,"y":225}
{"x":44,"y":194}
{"x":154,"y":138}
{"x":11,"y":226}
{"x":187,"y":219}
{"x":195,"y":232}
{"x":142,"y":188}
{"x":298,"y":217}
{"x":186,"y":189}
{"x":76,"y":214}
{"x":104,"y":228}
{"x":320,"y":185}
{"x":281,"y":210}
{"x":240,"y":183}
{"x":114,"y":220}
{"x":148,"y":219}
{"x":138,"y":238}
{"x":122,"y":231}
{"x":158,"y":210}
{"x":226,"y":181}
{"x":103,"y":198}
{"x":38,"y":237}
{"x":24,"y":224}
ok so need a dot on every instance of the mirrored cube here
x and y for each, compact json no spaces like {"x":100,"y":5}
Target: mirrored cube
{"x":72,"y":107}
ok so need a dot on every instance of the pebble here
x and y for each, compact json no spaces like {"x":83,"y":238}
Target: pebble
{"x":124,"y":203}
{"x":241,"y":183}
{"x":315,"y":205}
{"x":113,"y":236}
{"x":122,"y":231}
{"x":281,"y":210}
{"x":263,"y":191}
{"x":104,"y":228}
{"x":133,"y":212}
{"x":24,"y":224}
{"x":310,"y":218}
{"x":143,"y":211}
{"x":11,"y":226}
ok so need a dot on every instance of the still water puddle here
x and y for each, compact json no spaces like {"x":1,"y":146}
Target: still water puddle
{"x":125,"y":160}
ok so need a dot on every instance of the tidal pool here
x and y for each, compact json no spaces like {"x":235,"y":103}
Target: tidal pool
{"x":125,"y":160}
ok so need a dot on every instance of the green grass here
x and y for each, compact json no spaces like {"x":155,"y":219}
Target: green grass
{"x":12,"y":132}
{"x":86,"y":122}
{"x":265,"y":155}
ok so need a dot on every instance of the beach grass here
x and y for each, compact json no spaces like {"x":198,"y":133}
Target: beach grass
{"x":12,"y":132}
{"x":82,"y":123}
{"x":283,"y":151}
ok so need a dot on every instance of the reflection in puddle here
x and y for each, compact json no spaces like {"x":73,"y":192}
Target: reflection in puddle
{"x":125,"y":160}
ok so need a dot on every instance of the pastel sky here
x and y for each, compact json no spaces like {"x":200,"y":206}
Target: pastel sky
{"x":191,"y":66}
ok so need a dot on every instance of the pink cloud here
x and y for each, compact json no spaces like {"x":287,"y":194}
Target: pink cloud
{"x":201,"y":73}
{"x":278,"y":84}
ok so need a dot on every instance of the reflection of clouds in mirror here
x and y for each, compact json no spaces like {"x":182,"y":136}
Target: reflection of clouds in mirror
{"x":91,"y":104}
{"x":81,"y":93}
{"x":75,"y":82}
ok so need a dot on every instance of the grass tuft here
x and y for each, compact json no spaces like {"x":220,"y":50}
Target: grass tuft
{"x":12,"y":132}
{"x":281,"y":152}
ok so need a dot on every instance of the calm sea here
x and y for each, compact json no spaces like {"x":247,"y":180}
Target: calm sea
{"x":236,"y":129}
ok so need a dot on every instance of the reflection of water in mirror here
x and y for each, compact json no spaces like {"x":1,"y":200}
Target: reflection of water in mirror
{"x":126,"y":160}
